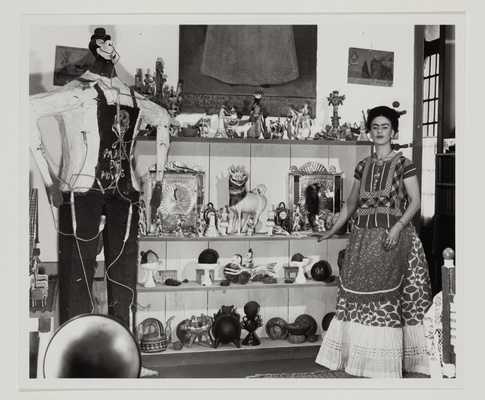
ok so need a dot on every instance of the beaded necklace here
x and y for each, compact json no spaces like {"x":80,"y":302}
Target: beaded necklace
{"x":378,"y":170}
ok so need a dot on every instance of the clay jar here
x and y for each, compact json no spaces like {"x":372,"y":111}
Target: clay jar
{"x":226,"y":327}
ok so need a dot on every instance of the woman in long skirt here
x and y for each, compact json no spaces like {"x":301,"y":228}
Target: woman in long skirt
{"x":383,"y":289}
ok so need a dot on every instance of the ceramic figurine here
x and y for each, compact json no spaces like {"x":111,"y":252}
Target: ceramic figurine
{"x":224,"y":221}
{"x":168,"y":329}
{"x":149,"y":262}
{"x":335,"y":100}
{"x":270,"y":222}
{"x":304,"y":123}
{"x":363,"y":133}
{"x":226,"y":327}
{"x":251,"y":322}
{"x":256,"y":118}
{"x":158,"y":226}
{"x":283,"y":217}
{"x":232,"y":270}
{"x":248,"y":260}
{"x":243,"y":201}
{"x":178,"y":228}
{"x":210,"y":216}
{"x":276,"y":129}
{"x":142,"y":222}
{"x":203,"y":125}
{"x":231,"y":124}
{"x":290,"y":124}
{"x":250,"y":226}
{"x":194,"y":328}
{"x":150,"y":84}
{"x":221,"y":130}
{"x":297,"y":218}
{"x":201,"y":224}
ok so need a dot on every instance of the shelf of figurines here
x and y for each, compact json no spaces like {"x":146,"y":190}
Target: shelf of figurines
{"x":172,"y":237}
{"x":192,"y":286}
{"x":262,"y":141}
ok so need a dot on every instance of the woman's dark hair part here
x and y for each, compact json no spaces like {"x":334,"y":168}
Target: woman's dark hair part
{"x":384,"y":111}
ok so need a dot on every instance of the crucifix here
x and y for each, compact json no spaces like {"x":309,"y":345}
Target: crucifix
{"x":335,"y":100}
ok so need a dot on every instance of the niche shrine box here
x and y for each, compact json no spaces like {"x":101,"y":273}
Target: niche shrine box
{"x":329,"y":189}
{"x":182,"y":198}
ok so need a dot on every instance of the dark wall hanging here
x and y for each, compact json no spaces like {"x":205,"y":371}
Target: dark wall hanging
{"x":226,"y":64}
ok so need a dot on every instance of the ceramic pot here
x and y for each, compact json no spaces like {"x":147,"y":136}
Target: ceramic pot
{"x":226,"y":329}
{"x":307,"y":320}
{"x":326,"y":321}
{"x":321,"y":271}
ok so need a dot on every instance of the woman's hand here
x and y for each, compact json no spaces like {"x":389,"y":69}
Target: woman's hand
{"x":322,"y":235}
{"x":391,"y":240}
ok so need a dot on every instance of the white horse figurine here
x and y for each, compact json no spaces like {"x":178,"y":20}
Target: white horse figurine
{"x":241,"y":201}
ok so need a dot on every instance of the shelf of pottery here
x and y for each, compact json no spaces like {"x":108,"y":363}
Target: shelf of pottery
{"x":203,"y":178}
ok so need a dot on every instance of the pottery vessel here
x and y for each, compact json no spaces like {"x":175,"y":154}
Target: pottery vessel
{"x":226,"y":327}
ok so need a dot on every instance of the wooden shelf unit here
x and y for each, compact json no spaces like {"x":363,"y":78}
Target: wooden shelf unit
{"x":267,"y":162}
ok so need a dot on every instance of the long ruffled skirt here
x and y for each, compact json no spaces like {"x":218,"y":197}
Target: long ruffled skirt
{"x":382,"y":299}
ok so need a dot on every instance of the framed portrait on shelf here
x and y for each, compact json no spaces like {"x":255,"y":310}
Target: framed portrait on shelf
{"x":325,"y":187}
{"x":182,"y":199}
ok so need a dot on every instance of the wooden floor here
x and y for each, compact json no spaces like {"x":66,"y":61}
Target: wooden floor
{"x":239,"y":369}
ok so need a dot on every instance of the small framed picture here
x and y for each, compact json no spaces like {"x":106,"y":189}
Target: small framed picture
{"x":317,"y":194}
{"x":70,"y":63}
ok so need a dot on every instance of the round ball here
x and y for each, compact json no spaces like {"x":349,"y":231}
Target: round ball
{"x":251,"y":309}
{"x":208,"y":256}
{"x":448,"y":254}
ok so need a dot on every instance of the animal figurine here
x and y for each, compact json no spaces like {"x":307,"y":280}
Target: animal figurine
{"x":241,"y":201}
{"x":194,"y":328}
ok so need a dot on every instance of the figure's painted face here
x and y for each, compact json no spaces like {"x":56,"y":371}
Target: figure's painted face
{"x":239,"y":177}
{"x":107,"y":50}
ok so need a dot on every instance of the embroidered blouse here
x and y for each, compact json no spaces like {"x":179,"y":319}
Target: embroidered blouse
{"x":382,"y":197}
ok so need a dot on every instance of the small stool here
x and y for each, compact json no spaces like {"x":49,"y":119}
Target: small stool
{"x":199,"y":275}
{"x":163,"y":275}
{"x":291,"y":272}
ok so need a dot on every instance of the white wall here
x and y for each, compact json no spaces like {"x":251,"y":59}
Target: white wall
{"x":141,"y":45}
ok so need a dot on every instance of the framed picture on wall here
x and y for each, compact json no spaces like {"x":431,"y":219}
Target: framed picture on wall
{"x":226,"y":64}
{"x":370,"y":67}
{"x":70,"y":63}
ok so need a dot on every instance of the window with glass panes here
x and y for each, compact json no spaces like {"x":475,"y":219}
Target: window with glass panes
{"x":430,"y":95}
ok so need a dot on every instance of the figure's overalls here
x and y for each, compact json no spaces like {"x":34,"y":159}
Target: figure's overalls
{"x":111,"y":194}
